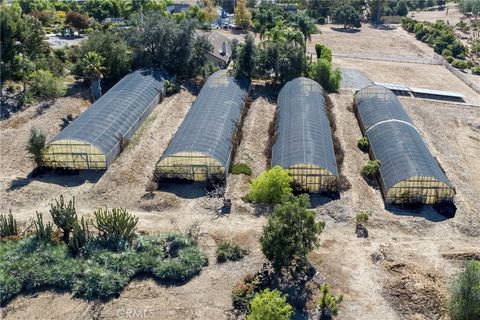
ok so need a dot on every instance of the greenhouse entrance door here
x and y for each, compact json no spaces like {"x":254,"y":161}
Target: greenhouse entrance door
{"x":80,"y":161}
{"x":200,"y":172}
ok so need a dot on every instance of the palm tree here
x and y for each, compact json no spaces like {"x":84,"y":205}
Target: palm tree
{"x":93,"y":70}
{"x":305,"y":25}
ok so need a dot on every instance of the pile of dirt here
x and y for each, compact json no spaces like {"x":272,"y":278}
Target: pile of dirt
{"x":414,"y":293}
{"x":157,"y":202}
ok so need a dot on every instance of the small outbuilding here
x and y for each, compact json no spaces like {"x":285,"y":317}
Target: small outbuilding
{"x":202,"y":147}
{"x":303,"y":138}
{"x":408,"y":171}
{"x":96,"y":137}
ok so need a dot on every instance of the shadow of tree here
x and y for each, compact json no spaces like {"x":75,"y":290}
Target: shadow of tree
{"x":346,"y":30}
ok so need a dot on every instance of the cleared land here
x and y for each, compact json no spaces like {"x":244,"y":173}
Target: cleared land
{"x":400,"y":272}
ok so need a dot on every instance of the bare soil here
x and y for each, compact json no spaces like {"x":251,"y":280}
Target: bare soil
{"x":401,"y":271}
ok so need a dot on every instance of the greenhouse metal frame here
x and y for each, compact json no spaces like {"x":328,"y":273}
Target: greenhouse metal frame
{"x":202,"y":146}
{"x":408,"y":171}
{"x":96,"y":137}
{"x":303,"y":137}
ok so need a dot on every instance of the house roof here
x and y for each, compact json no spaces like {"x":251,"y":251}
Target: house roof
{"x":217,"y":39}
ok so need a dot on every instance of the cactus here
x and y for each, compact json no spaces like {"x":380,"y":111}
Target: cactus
{"x":42,"y":231}
{"x":8,"y":225}
{"x":64,"y":216}
{"x":80,"y":237}
{"x":115,"y":226}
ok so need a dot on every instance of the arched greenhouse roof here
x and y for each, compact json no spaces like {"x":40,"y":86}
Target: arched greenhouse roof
{"x":393,"y":138}
{"x":377,"y":103}
{"x":209,"y":126}
{"x":303,"y":134}
{"x":112,"y":117}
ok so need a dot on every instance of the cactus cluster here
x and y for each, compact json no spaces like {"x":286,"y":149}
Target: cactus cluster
{"x":64,"y":216}
{"x":116,"y":225}
{"x":42,"y":231}
{"x":80,"y":237}
{"x":8,"y":225}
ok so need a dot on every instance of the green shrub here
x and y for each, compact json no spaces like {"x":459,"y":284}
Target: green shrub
{"x":476,"y":70}
{"x":371,"y":169}
{"x":244,"y":291}
{"x":241,"y":168}
{"x":271,"y":186}
{"x":230,"y":251}
{"x":42,"y":231}
{"x":323,"y":52}
{"x":363,"y":144}
{"x":449,"y":59}
{"x":188,"y":263}
{"x":328,"y":304}
{"x":116,"y":227}
{"x":362,"y":217}
{"x":171,"y":87}
{"x":465,"y":293}
{"x":36,"y":146}
{"x":447,"y":53}
{"x":322,"y":72}
{"x":45,"y":85}
{"x":8,"y":225}
{"x":460,"y":64}
{"x":32,"y":263}
{"x":270,"y":305}
{"x":64,"y":216}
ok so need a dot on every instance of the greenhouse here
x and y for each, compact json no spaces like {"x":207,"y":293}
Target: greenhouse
{"x":96,"y":137}
{"x":303,"y":139}
{"x":202,"y":147}
{"x":408,"y":171}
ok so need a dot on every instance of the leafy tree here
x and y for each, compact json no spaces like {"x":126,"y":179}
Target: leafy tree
{"x":271,"y":187}
{"x":36,"y":146}
{"x":243,"y":16}
{"x":12,"y":29}
{"x":270,"y":305}
{"x":328,"y":303}
{"x":35,"y":5}
{"x":64,"y":216}
{"x":430,"y":3}
{"x":115,"y":51}
{"x":209,"y":11}
{"x":44,"y":16}
{"x":421,"y":4}
{"x":45,"y":85}
{"x":465,"y":293}
{"x":247,"y":57}
{"x":402,"y":9}
{"x":346,"y":15}
{"x":162,"y":42}
{"x":199,"y":59}
{"x":322,"y":72}
{"x":77,"y":20}
{"x":290,"y":234}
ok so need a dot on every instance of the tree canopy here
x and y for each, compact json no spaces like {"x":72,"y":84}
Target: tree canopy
{"x":346,"y":15}
{"x":290,"y":234}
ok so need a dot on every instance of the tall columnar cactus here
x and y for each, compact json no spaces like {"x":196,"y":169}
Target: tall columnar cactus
{"x":80,"y":237}
{"x":115,"y":226}
{"x":8,"y":225}
{"x":64,"y":216}
{"x":42,"y":231}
